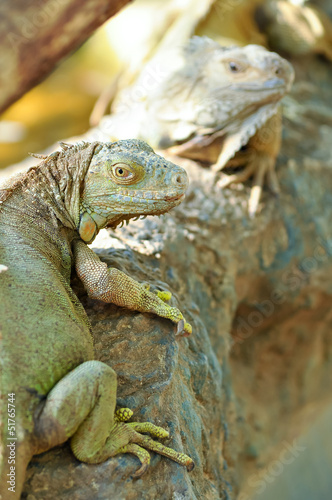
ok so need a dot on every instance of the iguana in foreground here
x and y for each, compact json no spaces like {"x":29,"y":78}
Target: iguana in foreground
{"x":211,"y":102}
{"x":52,"y":389}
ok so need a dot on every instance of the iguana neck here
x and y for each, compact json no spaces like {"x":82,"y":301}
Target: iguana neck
{"x":54,"y":186}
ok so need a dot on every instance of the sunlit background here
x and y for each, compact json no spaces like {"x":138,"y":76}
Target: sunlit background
{"x":61,"y":105}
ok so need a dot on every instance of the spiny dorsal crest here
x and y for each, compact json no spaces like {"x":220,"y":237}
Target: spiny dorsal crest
{"x":39,"y":156}
{"x":203,"y":45}
{"x":65,"y":147}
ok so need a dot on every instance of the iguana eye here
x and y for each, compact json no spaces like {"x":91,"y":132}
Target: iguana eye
{"x":125,"y":173}
{"x":121,"y":171}
{"x":234,"y":67}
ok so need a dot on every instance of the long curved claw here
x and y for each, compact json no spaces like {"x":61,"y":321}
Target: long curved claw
{"x":180,"y":327}
{"x":256,"y":190}
{"x":183,"y":329}
{"x":163,"y":309}
{"x":255,"y":196}
{"x":144,"y":467}
{"x":142,"y":455}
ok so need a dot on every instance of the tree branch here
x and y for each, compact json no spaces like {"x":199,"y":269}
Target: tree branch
{"x":36,"y":35}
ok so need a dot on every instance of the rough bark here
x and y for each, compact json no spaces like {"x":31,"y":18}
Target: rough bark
{"x":35,"y":36}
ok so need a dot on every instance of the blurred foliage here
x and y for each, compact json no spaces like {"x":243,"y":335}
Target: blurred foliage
{"x":60,"y":106}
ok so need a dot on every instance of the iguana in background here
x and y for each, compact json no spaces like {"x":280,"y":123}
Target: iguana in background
{"x":52,"y":389}
{"x":207,"y":103}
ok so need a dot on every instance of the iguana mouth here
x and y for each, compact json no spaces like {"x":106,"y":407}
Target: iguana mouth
{"x":175,"y":197}
{"x":148,"y":197}
{"x":266,"y":87}
{"x":150,"y":203}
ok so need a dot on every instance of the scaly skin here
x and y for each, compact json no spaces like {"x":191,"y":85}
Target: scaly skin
{"x":47,"y":357}
{"x":211,"y":103}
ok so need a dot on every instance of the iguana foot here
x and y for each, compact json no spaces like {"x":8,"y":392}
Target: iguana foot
{"x":260,"y":168}
{"x":97,"y":432}
{"x":237,"y":178}
{"x":184,"y":329}
{"x":139,"y":443}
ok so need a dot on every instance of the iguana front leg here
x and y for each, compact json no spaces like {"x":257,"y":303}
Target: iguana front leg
{"x":260,"y":166}
{"x":81,"y":406}
{"x":259,"y":159}
{"x":112,"y":285}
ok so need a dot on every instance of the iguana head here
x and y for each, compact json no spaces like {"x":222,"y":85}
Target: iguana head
{"x":210,"y":87}
{"x":249,"y":70}
{"x":126,"y":179}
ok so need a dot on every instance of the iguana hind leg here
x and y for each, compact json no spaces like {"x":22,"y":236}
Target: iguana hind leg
{"x":84,"y":397}
{"x":81,"y":406}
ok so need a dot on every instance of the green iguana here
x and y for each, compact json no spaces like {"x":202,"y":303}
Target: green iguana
{"x":209,"y":102}
{"x":52,"y":389}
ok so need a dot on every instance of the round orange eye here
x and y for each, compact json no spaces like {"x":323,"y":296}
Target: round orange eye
{"x":121,"y":172}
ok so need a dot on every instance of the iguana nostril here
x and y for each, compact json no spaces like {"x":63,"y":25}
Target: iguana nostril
{"x":180,"y":179}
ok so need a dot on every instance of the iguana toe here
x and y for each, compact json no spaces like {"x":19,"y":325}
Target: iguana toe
{"x":152,"y":429}
{"x":164,"y":295}
{"x":180,"y":458}
{"x":123,"y":414}
{"x":142,"y":455}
